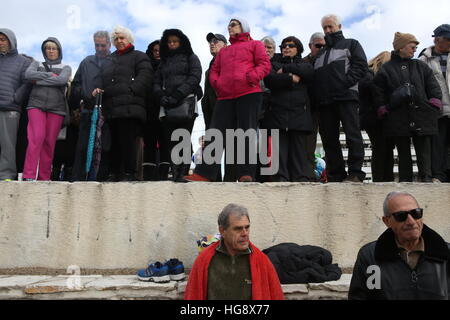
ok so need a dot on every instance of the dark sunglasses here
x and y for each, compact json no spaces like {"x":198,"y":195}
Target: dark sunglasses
{"x":289,"y":45}
{"x":319,"y":46}
{"x":401,"y":216}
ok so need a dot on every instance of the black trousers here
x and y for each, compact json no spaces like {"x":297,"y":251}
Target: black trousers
{"x":293,"y":159}
{"x":439,"y":150}
{"x":382,"y":155}
{"x":123,"y":150}
{"x":422,"y":146}
{"x":169,"y":129}
{"x":239,"y":113}
{"x":330,"y":117}
{"x":154,"y":135}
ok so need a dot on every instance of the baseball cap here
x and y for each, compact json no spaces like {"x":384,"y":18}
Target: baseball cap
{"x":442,"y":31}
{"x":217,"y":36}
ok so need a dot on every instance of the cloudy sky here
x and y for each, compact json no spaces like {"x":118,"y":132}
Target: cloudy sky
{"x":372,"y":22}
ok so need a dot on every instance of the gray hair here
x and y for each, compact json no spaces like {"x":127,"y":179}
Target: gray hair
{"x":335,"y":18}
{"x":393,"y":195}
{"x":120,"y":29}
{"x":269,"y":40}
{"x":231,"y":210}
{"x":102,"y":34}
{"x":317,"y":35}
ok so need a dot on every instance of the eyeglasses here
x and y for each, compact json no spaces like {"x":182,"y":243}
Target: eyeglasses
{"x":233,"y":24}
{"x":51,"y":49}
{"x":288,"y":45}
{"x":100,"y":45}
{"x":401,"y":216}
{"x":319,"y":46}
{"x":214,"y":41}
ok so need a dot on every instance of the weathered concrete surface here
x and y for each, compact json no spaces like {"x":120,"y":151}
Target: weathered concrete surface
{"x":126,"y":225}
{"x":125,"y":287}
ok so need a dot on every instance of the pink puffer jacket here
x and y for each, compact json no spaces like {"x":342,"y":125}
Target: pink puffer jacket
{"x":239,"y":68}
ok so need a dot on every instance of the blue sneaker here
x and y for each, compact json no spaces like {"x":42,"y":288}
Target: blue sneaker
{"x":156,"y":272}
{"x":176,"y":269}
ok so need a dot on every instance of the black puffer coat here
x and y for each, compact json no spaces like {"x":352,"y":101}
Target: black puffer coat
{"x":430,"y":280}
{"x":180,"y":71}
{"x":127,"y":79}
{"x":303,"y":264}
{"x":417,"y":117}
{"x":290,"y":107}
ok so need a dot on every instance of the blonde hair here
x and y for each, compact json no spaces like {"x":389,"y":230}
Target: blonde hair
{"x":120,"y":29}
{"x":376,"y":63}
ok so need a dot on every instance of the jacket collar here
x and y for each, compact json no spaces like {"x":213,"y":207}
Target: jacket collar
{"x":435,"y":247}
{"x":333,"y":38}
{"x":395,"y":56}
{"x":241,"y":37}
{"x":127,"y":49}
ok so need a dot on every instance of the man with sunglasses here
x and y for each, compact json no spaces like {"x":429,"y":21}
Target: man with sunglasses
{"x":85,"y":81}
{"x":409,"y":261}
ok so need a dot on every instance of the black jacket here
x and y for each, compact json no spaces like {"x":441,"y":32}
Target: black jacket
{"x":180,"y":71}
{"x":303,"y":264}
{"x":430,"y":280}
{"x":367,"y":109}
{"x":339,"y":67}
{"x":209,"y":99}
{"x":127,"y":79}
{"x":289,"y":106}
{"x":416,"y":117}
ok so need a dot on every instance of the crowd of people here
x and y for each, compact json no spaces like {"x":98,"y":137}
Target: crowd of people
{"x":115,"y":121}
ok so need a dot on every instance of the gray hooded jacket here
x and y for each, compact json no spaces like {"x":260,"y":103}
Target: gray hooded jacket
{"x":48,"y":92}
{"x":12,"y":76}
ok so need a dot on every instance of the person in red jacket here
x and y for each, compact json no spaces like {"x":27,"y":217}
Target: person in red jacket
{"x":235,"y":76}
{"x":233,"y":268}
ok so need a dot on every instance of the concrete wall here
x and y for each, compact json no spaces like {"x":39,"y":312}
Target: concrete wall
{"x":125,"y":225}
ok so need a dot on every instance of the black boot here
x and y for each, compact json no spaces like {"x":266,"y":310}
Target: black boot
{"x":175,"y":172}
{"x":128,"y":177}
{"x":163,"y":171}
{"x":183,"y":170}
{"x":149,"y":170}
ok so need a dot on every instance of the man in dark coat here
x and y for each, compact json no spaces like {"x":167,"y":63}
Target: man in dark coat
{"x":409,"y":102}
{"x":13,"y":92}
{"x":339,"y":68}
{"x":85,"y":81}
{"x":409,"y":261}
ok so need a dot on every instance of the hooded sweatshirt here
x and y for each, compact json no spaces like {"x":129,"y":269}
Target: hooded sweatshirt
{"x":48,"y":93}
{"x":12,"y":76}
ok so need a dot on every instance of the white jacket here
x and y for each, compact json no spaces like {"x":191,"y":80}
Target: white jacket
{"x":434,"y":63}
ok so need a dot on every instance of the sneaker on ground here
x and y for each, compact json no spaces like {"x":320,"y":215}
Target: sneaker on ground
{"x":195,"y":178}
{"x":176,"y":269}
{"x":246,"y":179}
{"x":156,"y":272}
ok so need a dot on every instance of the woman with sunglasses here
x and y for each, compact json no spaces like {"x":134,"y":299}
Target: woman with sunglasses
{"x":236,"y":76}
{"x":290,"y":111}
{"x":408,"y":99}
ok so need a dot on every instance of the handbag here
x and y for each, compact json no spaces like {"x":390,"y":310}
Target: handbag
{"x":183,"y":112}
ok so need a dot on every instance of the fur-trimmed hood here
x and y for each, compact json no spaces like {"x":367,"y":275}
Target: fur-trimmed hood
{"x":435,"y":247}
{"x":185,"y":44}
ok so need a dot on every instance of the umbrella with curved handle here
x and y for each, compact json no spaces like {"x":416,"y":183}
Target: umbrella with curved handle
{"x":93,"y":133}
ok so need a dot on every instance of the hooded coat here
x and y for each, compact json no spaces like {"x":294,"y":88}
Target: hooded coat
{"x":49,"y":89}
{"x":127,"y":78}
{"x":13,"y":85}
{"x":180,"y":71}
{"x":417,"y":117}
{"x":290,"y":108}
{"x":239,"y":68}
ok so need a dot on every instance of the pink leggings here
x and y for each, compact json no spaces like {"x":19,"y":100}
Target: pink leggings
{"x":43,"y":130}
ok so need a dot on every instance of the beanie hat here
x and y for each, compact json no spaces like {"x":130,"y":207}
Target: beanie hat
{"x":244,"y":24}
{"x":401,"y":40}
